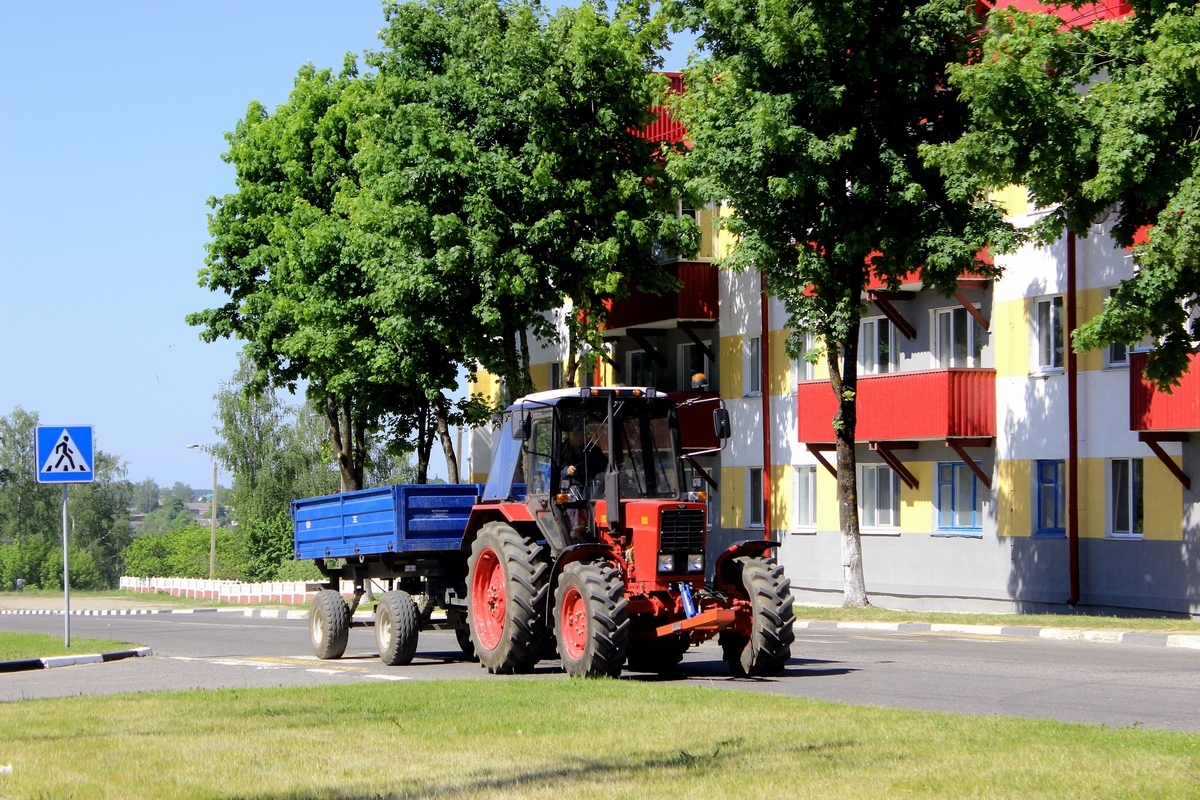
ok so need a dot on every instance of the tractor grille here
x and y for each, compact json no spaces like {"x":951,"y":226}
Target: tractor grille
{"x":682,"y":531}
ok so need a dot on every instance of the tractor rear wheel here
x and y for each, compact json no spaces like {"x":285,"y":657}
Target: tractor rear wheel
{"x":591,"y":619}
{"x":329,"y":624}
{"x":397,"y":626}
{"x":770,"y":644}
{"x":506,"y":593}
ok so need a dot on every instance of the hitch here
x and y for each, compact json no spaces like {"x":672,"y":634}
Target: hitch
{"x":711,"y":621}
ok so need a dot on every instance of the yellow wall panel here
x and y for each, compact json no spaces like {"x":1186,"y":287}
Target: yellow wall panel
{"x":731,"y":366}
{"x":725,"y":239}
{"x":1014,"y":498}
{"x":828,"y":516}
{"x":540,"y":375}
{"x":733,"y":497}
{"x":1090,"y":303}
{"x":1162,"y":501}
{"x":1092,"y":502}
{"x":1013,"y":199}
{"x":783,"y":495}
{"x":780,"y":377}
{"x":1010,"y":327}
{"x":916,"y":505}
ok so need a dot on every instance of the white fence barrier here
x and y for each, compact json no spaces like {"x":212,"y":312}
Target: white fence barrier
{"x":228,"y":591}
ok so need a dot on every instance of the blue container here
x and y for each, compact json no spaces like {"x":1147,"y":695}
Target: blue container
{"x":389,"y":519}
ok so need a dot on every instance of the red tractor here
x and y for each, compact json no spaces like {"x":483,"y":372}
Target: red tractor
{"x":584,"y":538}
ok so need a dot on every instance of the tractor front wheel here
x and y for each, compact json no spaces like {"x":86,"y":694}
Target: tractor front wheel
{"x":506,"y":593}
{"x":770,"y":644}
{"x":592,"y":619}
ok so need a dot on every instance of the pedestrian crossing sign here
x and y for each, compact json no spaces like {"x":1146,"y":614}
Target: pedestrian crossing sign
{"x":64,"y":454}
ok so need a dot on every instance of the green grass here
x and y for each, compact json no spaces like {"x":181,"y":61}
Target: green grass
{"x":875,"y":614}
{"x":20,"y":646}
{"x":562,"y":739}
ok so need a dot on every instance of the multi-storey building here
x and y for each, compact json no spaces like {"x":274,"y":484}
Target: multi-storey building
{"x":997,"y":470}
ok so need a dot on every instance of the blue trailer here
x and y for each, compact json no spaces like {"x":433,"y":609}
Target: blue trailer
{"x":410,"y":538}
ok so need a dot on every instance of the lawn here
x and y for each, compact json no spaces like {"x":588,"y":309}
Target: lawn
{"x":561,"y":739}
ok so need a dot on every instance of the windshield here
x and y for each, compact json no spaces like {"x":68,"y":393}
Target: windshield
{"x":645,"y":453}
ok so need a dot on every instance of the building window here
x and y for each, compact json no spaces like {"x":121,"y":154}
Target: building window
{"x":1125,"y":490}
{"x":754,"y":364}
{"x":1118,"y":352}
{"x":1050,"y":333}
{"x":879,"y":496}
{"x":805,"y":370}
{"x":556,"y":375}
{"x":692,"y":362}
{"x":958,"y":498}
{"x":806,"y":498}
{"x":1050,"y":498}
{"x":960,"y":338}
{"x":754,"y":502}
{"x":877,"y":347}
{"x":641,"y":369}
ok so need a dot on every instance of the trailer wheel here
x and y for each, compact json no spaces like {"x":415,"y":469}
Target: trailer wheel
{"x":506,"y":592}
{"x":591,"y":619}
{"x":397,"y":626}
{"x":660,"y":656}
{"x":329,"y":624}
{"x":770,"y":644}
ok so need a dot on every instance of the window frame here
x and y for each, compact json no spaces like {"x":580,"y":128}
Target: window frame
{"x":1135,"y":497}
{"x":1056,"y":319}
{"x":754,"y":499}
{"x":647,"y":363}
{"x":976,"y":338}
{"x":802,"y":369}
{"x":804,"y":510}
{"x":891,"y":528}
{"x":1058,"y":488}
{"x":754,"y":366}
{"x":958,"y":470}
{"x":683,"y":373}
{"x":873,"y":367}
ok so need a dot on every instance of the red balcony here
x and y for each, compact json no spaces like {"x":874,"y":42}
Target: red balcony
{"x":695,"y":300}
{"x":696,"y":431}
{"x":1153,"y":410}
{"x":904,"y":406}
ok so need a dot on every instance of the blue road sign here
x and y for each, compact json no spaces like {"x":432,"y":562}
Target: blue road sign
{"x":64,"y":454}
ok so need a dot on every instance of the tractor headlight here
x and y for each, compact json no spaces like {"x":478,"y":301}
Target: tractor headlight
{"x":695,"y":562}
{"x":666,"y":562}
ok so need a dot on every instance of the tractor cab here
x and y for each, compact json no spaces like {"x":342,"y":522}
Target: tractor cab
{"x":571,"y":456}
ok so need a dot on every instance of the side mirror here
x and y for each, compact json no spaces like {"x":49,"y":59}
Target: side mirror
{"x":721,"y":423}
{"x":522,"y":425}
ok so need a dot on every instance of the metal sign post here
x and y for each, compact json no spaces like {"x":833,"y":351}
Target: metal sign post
{"x":65,"y":455}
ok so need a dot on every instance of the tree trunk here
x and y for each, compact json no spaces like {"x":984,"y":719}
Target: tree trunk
{"x":426,"y":430}
{"x":349,"y":454}
{"x":441,"y":410}
{"x":526,"y":378}
{"x":845,"y":388}
{"x":572,"y":365}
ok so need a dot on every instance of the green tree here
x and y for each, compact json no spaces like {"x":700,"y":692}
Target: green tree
{"x":145,"y":496}
{"x":502,"y":177}
{"x":1095,"y":118}
{"x":809,"y":117}
{"x":297,"y":295}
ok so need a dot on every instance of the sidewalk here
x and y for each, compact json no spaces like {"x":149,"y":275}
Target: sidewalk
{"x":1189,"y":641}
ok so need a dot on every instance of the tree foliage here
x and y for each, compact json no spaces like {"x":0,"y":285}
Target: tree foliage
{"x":809,"y":118}
{"x":1098,"y":118}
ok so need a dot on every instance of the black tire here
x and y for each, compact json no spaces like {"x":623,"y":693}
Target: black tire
{"x":397,"y":627}
{"x":660,"y":656}
{"x":329,"y":624}
{"x":770,"y":644}
{"x":591,"y":617}
{"x":507,"y":584}
{"x":458,"y":621}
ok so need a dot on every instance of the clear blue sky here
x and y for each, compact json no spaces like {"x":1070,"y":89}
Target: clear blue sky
{"x":111,"y":129}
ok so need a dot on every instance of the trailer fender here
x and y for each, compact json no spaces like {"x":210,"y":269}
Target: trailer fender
{"x":723,"y":579}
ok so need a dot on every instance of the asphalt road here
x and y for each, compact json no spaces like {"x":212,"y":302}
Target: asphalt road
{"x":1114,"y":684}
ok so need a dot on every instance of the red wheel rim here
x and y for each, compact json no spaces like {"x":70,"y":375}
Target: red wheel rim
{"x":573,"y":627}
{"x":488,"y":599}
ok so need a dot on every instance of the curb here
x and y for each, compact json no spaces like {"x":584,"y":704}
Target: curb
{"x":266,"y":613}
{"x":1140,"y":638}
{"x":68,"y":661}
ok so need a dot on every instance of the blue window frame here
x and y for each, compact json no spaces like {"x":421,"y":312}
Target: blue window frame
{"x":958,"y":499}
{"x":1050,"y":489}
